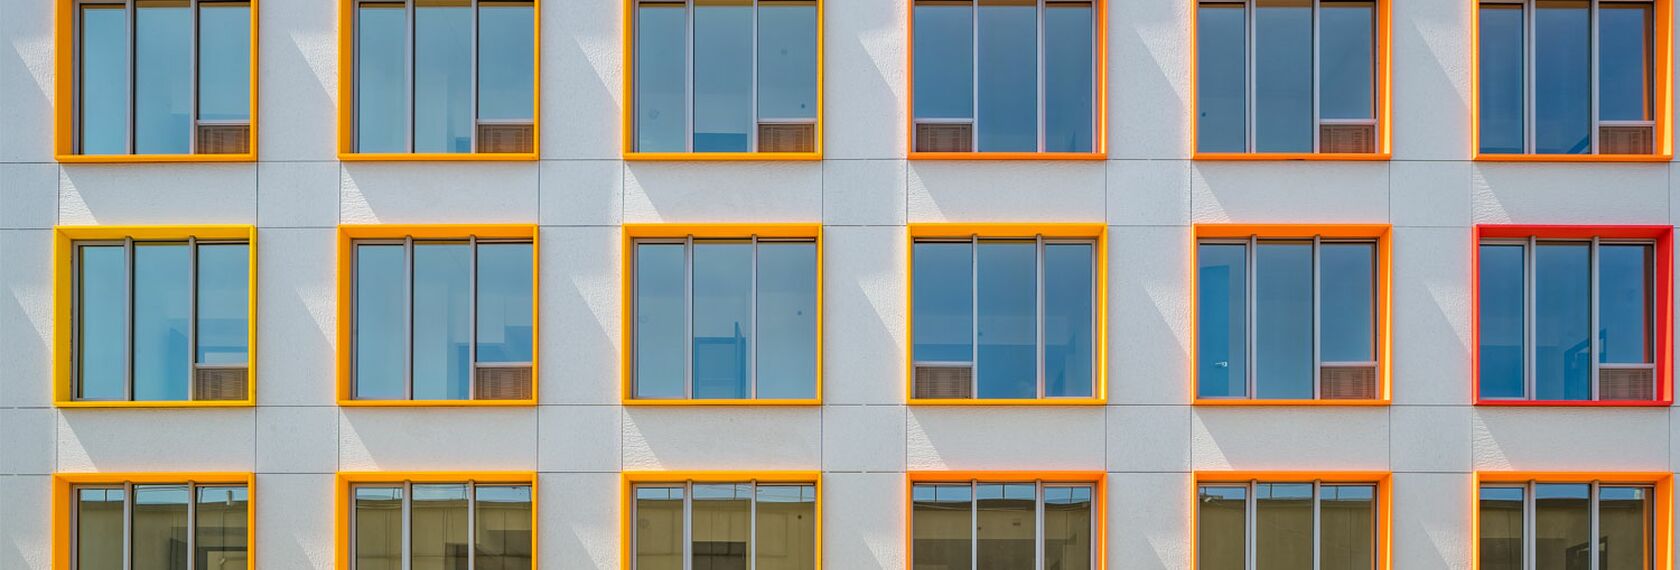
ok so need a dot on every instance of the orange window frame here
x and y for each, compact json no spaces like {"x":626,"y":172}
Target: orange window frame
{"x":64,"y":484}
{"x":1383,"y":93}
{"x":1099,"y":496}
{"x":346,"y":127}
{"x":1096,"y":232}
{"x":1384,"y":302}
{"x":347,"y":480}
{"x":628,"y":114}
{"x":1382,"y":479}
{"x":1099,"y":132}
{"x":65,"y":64}
{"x":628,"y":481}
{"x":348,"y":235}
{"x":1662,"y":49}
{"x":1662,"y":296}
{"x":634,"y":232}
{"x":1662,"y":504}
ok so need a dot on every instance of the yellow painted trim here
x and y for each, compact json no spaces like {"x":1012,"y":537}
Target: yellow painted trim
{"x":991,"y":230}
{"x":348,"y":234}
{"x":63,"y":483}
{"x":345,"y":479}
{"x":64,"y":240}
{"x":629,"y":479}
{"x":633,"y":232}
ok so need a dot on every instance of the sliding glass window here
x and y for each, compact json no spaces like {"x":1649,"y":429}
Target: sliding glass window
{"x":746,"y":524}
{"x":159,"y":526}
{"x":441,"y":525}
{"x":980,"y":525}
{"x":1566,"y":525}
{"x":1309,"y":525}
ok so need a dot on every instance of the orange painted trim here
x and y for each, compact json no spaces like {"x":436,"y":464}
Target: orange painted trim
{"x":1099,"y":494}
{"x":1099,"y":136}
{"x":64,"y":483}
{"x":1385,"y":302}
{"x":347,"y":479}
{"x":347,"y":236}
{"x":1098,"y":232}
{"x":630,"y":479}
{"x":1382,"y":479}
{"x":1662,"y":504}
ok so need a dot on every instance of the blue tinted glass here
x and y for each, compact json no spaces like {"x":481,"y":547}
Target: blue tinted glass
{"x":722,"y":308}
{"x":1562,"y":77}
{"x":1500,"y":66}
{"x":443,"y":76}
{"x":1007,"y":319}
{"x":1068,"y":319}
{"x":1500,"y":314}
{"x":1008,"y":76}
{"x":504,"y":302}
{"x":787,"y":59}
{"x":1221,"y":320}
{"x":1562,"y":322}
{"x":1624,"y":303}
{"x":944,"y":53}
{"x":381,"y":336}
{"x":1283,"y":328}
{"x":1283,"y":57}
{"x":102,"y":323}
{"x":381,"y":78}
{"x":1624,"y":61}
{"x":1347,"y":302}
{"x":1347,"y":58}
{"x":104,"y":79}
{"x":1221,"y":77}
{"x":224,"y":61}
{"x":506,"y":46}
{"x":787,"y":320}
{"x":442,"y":321}
{"x":661,"y":71}
{"x":163,"y":77}
{"x":723,"y":57}
{"x":224,"y":304}
{"x":162,"y":321}
{"x":943,"y":301}
{"x":1068,"y":75}
{"x":661,"y":321}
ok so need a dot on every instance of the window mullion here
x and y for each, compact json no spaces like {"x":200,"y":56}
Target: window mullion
{"x":1592,"y":101}
{"x":472,"y":512}
{"x":1250,"y":519}
{"x":1039,"y":318}
{"x":1529,"y":114}
{"x":1594,"y":548}
{"x":1250,"y":12}
{"x":128,"y":526}
{"x":752,"y":96}
{"x":1596,"y":343}
{"x":1316,"y":131}
{"x":974,"y":83}
{"x":408,"y":71}
{"x":133,"y":13}
{"x":192,"y":515}
{"x":688,"y":526}
{"x":688,"y":80}
{"x":1038,"y":514}
{"x":752,"y":325}
{"x":128,"y":314}
{"x":192,"y":91}
{"x":688,"y":317}
{"x":192,"y":313}
{"x":1042,"y":108}
{"x":974,"y":525}
{"x":1530,"y":544}
{"x":1530,"y":355}
{"x":1317,"y":312}
{"x":1317,"y":512}
{"x":472,"y":306}
{"x":974,"y":313}
{"x":752,"y":516}
{"x":472,"y":95}
{"x":1253,"y":258}
{"x":407,"y":526}
{"x":408,"y":314}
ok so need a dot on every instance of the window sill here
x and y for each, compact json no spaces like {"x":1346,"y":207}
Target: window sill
{"x":1300,"y":156}
{"x":437,"y":403}
{"x":746,"y":402}
{"x":1489,"y":157}
{"x":721,"y":156}
{"x":437,"y":156}
{"x":1575,"y":403}
{"x":152,"y":158}
{"x":977,"y":155}
{"x":156,"y":404}
{"x":972,"y":402}
{"x":1252,"y":402}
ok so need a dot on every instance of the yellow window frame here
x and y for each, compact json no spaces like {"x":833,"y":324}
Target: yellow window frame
{"x":345,"y":482}
{"x":630,"y":479}
{"x":63,"y":484}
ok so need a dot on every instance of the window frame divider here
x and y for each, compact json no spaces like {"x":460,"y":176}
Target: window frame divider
{"x":1042,"y":77}
{"x":1317,"y":298}
{"x":1595,"y":341}
{"x":192,"y":315}
{"x":1039,"y":319}
{"x":128,"y":526}
{"x":408,"y":316}
{"x":751,"y":365}
{"x":1593,"y":535}
{"x":974,"y":95}
{"x":1592,"y":136}
{"x":1251,"y":371}
{"x":1038,"y":511}
{"x":192,"y":514}
{"x":472,"y":298}
{"x":688,"y":317}
{"x":128,"y":315}
{"x":1531,"y":357}
{"x":1317,"y":515}
{"x":1317,"y":130}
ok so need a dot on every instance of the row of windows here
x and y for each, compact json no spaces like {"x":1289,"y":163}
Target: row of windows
{"x":721,"y":78}
{"x":773,"y":522}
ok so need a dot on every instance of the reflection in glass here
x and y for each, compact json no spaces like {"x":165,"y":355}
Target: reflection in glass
{"x":943,"y":301}
{"x":162,"y":321}
{"x":224,"y":291}
{"x":1624,"y":303}
{"x":443,"y":76}
{"x":1562,"y":77}
{"x":224,"y":61}
{"x":659,"y":528}
{"x":786,"y":356}
{"x":1501,"y":528}
{"x":442,"y":315}
{"x":1624,"y":61}
{"x":1501,"y":321}
{"x":1283,"y":315}
{"x":381,"y":334}
{"x":163,"y":76}
{"x":1561,"y":533}
{"x":101,"y":323}
{"x":1221,"y":78}
{"x":1222,"y":528}
{"x":1500,"y":68}
{"x":378,"y":523}
{"x":942,"y":526}
{"x":99,"y":529}
{"x":1347,"y":527}
{"x":222,"y":532}
{"x":104,"y":79}
{"x":1283,"y":526}
{"x":1067,"y":527}
{"x":1283,"y":76}
{"x":723,"y":68}
{"x":1562,"y":322}
{"x":1005,"y":513}
{"x":1008,"y":90}
{"x":1221,"y":320}
{"x":722,"y":321}
{"x":504,"y":302}
{"x":506,"y":46}
{"x":787,"y":59}
{"x":944,"y":59}
{"x":722,"y":518}
{"x":438,"y":533}
{"x":1347,"y":302}
{"x":502,"y":540}
{"x":661,"y":72}
{"x":160,"y":527}
{"x":1069,"y":72}
{"x":1007,"y":319}
{"x":786,"y":528}
{"x":1068,"y":322}
{"x":661,"y":321}
{"x":1346,"y":50}
{"x":381,"y":77}
{"x":1624,"y":528}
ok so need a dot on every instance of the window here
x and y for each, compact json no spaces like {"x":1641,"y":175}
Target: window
{"x":159,"y":78}
{"x":1007,"y":76}
{"x":1291,"y":76}
{"x":725,"y":317}
{"x":441,"y":315}
{"x":1291,"y":319}
{"x":1608,"y":524}
{"x":1572,"y":316}
{"x":1570,"y":77}
{"x":767,"y":524}
{"x":995,"y":524}
{"x":154,"y":522}
{"x":440,"y":77}
{"x":156,"y":316}
{"x":488,"y":524}
{"x":1311,"y":524}
{"x":726,"y":76}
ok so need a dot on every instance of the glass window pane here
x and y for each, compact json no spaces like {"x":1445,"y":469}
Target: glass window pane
{"x":438,"y":527}
{"x":1007,"y":319}
{"x":1068,"y":322}
{"x":1221,"y":78}
{"x":1624,"y":61}
{"x":1008,"y":76}
{"x":787,"y":320}
{"x":722,"y":525}
{"x":1624,"y":303}
{"x":1283,"y":327}
{"x":787,"y":59}
{"x":162,"y":319}
{"x":1501,"y":321}
{"x":443,"y":76}
{"x":381,"y":335}
{"x":1561,"y":532}
{"x":943,"y":298}
{"x":442,"y":321}
{"x":99,"y":529}
{"x":224,"y":303}
{"x":942,"y":526}
{"x":1222,"y":528}
{"x":504,"y":302}
{"x":1501,"y":70}
{"x":101,"y":323}
{"x":1283,"y":76}
{"x":381,"y":77}
{"x":661,"y":321}
{"x":221,"y":522}
{"x":1067,"y":528}
{"x":723,"y":273}
{"x":1347,"y":60}
{"x":378,"y":528}
{"x":1562,"y":77}
{"x":506,"y":69}
{"x":659,"y":528}
{"x":1562,"y":322}
{"x":786,"y":534}
{"x":1501,"y":528}
{"x":1008,"y":525}
{"x":1347,"y":526}
{"x":503,"y":537}
{"x":1624,"y":528}
{"x":104,"y":79}
{"x":944,"y":59}
{"x":160,"y":527}
{"x":1347,"y":297}
{"x":224,"y":61}
{"x":163,"y":77}
{"x":723,"y":69}
{"x":661,"y":75}
{"x":1283,"y":526}
{"x":1221,"y":320}
{"x":1069,"y":72}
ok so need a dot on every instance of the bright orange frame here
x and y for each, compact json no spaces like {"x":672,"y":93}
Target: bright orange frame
{"x":1099,"y":136}
{"x":627,"y":497}
{"x":1383,"y":93}
{"x":633,"y":232}
{"x":347,"y":236}
{"x":1662,"y":539}
{"x":1385,"y":296}
{"x":1099,"y":493}
{"x":347,"y":479}
{"x":1382,"y":479}
{"x":64,"y":97}
{"x":63,"y":483}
